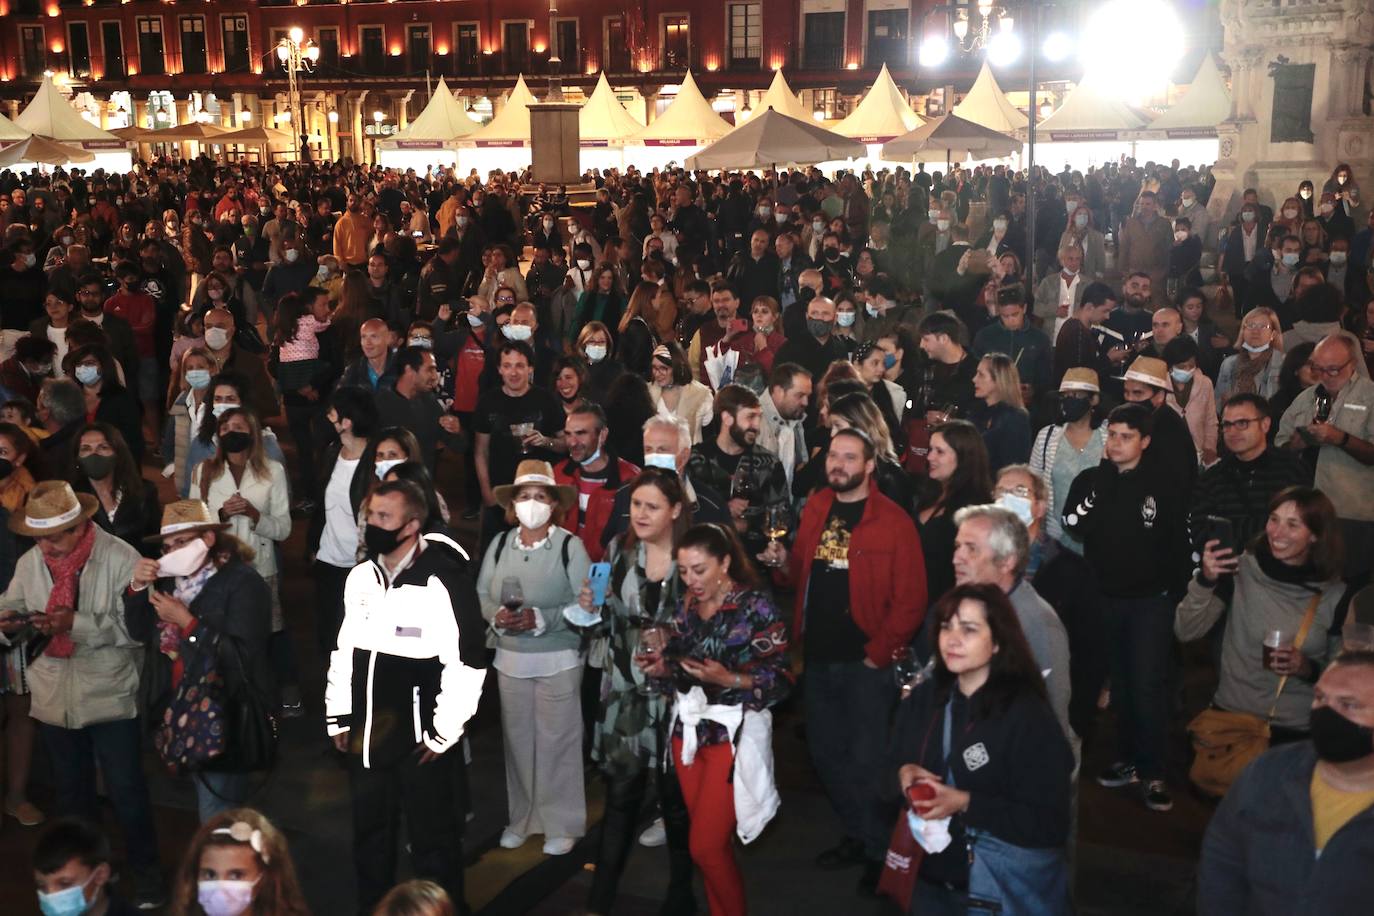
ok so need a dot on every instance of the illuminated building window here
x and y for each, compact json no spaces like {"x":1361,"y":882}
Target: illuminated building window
{"x":823,"y":35}
{"x":677,"y":41}
{"x":33,"y":50}
{"x":746,"y":35}
{"x":237,"y":58}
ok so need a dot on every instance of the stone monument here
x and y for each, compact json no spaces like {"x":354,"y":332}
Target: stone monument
{"x":1301,"y":75}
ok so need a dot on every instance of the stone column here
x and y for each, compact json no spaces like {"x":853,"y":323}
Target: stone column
{"x":360,"y":151}
{"x":403,"y":112}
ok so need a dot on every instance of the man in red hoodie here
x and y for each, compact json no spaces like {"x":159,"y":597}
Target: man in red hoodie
{"x":861,"y":594}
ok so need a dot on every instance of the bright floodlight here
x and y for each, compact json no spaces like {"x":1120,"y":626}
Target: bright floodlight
{"x":1004,"y":48}
{"x":934,"y":51}
{"x":1057,"y":47}
{"x":297,"y":34}
{"x":1114,"y":52}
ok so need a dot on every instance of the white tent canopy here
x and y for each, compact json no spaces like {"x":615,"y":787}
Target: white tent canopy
{"x":41,"y":151}
{"x":49,"y":114}
{"x":511,"y":126}
{"x":987,"y":105}
{"x":882,"y":115}
{"x":782,"y":99}
{"x":771,"y":138}
{"x":443,"y":119}
{"x":603,"y":118}
{"x":1205,"y":105}
{"x":688,"y":121}
{"x":9,"y":131}
{"x":1090,"y":113}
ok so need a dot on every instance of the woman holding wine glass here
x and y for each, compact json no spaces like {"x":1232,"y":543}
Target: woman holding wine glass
{"x":628,"y":734}
{"x":727,"y":659}
{"x":528,"y":576}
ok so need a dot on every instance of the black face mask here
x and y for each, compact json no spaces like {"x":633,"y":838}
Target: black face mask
{"x":235,"y":442}
{"x":1338,"y":740}
{"x":96,"y":467}
{"x":381,"y":541}
{"x":1073,"y":409}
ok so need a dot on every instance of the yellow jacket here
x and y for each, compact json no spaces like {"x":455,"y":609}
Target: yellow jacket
{"x":351,"y":235}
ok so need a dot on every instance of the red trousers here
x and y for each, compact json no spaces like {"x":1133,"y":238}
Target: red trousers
{"x":711,"y":805}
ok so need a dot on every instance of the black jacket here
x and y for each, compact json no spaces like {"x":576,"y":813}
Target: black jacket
{"x":134,"y":518}
{"x":233,"y":617}
{"x":411,"y":658}
{"x":808,"y":352}
{"x":1015,"y":764}
{"x":1241,"y":490}
{"x":357,"y":490}
{"x":1133,"y":527}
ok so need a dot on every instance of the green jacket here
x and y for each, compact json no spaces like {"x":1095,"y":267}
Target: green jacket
{"x":99,"y":683}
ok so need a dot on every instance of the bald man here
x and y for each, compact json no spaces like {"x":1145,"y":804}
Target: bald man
{"x":374,"y":370}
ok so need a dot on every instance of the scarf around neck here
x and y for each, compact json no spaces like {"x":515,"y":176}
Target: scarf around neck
{"x":66,"y":572}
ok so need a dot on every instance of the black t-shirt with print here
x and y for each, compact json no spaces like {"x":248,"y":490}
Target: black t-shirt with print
{"x":497,"y":412}
{"x":831,"y":633}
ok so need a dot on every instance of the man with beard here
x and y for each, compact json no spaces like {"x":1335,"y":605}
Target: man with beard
{"x":861,"y":594}
{"x":732,"y":464}
{"x":1130,"y":324}
{"x":1293,"y":834}
{"x":725,"y":305}
{"x":818,"y":347}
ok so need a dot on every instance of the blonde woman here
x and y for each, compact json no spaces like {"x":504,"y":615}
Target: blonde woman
{"x":1255,"y":366}
{"x":998,"y":412}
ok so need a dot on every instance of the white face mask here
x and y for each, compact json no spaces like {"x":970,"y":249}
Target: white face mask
{"x":424,"y":343}
{"x":216,"y":338}
{"x":1338,"y":258}
{"x":584,"y":264}
{"x":942,"y":225}
{"x":661,"y":460}
{"x":225,"y":898}
{"x":1081,"y":220}
{"x":846,"y":319}
{"x":322,"y":273}
{"x":386,"y":465}
{"x":292,"y":255}
{"x":596,"y":352}
{"x":532,"y":513}
{"x":1290,"y":213}
{"x":1253,"y":349}
{"x":1188,"y":201}
{"x":474,"y":320}
{"x":999,"y":225}
{"x":1070,"y":206}
{"x":185,"y":560}
{"x":1180,"y":235}
{"x":516,"y":331}
{"x":220,"y":410}
{"x":1021,"y":505}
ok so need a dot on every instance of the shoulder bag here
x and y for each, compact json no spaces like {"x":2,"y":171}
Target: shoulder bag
{"x":1225,"y":742}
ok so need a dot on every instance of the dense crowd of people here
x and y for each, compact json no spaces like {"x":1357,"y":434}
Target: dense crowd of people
{"x":998,"y":483}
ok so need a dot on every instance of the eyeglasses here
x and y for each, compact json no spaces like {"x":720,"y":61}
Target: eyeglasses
{"x":1328,"y":371}
{"x":1258,"y":326}
{"x":1019,"y":490}
{"x":1242,"y":424}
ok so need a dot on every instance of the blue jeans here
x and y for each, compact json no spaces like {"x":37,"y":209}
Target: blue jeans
{"x":1140,"y":639}
{"x":217,"y":792}
{"x":848,"y":712}
{"x":74,"y":752}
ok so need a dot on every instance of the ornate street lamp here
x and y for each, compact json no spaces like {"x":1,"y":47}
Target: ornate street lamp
{"x":296,"y":55}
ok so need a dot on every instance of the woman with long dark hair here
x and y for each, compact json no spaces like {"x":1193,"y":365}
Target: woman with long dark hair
{"x":106,"y":400}
{"x":630,"y":729}
{"x":979,"y":745}
{"x":728,"y":665}
{"x":961,"y":476}
{"x":129,"y":507}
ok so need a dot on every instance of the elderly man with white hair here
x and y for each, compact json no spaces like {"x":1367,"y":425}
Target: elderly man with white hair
{"x":668,"y":445}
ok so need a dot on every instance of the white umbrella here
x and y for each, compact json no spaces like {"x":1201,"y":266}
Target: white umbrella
{"x":772,"y":138}
{"x":949,"y":138}
{"x":43,"y":151}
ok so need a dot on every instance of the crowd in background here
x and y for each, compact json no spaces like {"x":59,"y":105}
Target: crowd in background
{"x":596,"y":438}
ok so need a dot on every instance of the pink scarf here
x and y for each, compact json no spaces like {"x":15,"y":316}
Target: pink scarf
{"x":66,"y":572}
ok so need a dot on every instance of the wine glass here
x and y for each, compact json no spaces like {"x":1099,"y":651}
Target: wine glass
{"x":908,"y":671}
{"x":653,"y":639}
{"x":777,"y":523}
{"x":512,"y":595}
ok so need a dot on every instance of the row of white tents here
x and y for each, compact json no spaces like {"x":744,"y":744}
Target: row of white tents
{"x":49,"y":131}
{"x":1090,"y":125}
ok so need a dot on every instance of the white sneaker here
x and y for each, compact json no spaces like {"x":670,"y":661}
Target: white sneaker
{"x":654,"y":834}
{"x":511,"y":840}
{"x":558,"y":845}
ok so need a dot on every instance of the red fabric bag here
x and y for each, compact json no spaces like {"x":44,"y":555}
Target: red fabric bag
{"x":900,"y":865}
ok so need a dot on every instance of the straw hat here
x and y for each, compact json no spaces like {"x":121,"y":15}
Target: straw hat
{"x":535,"y":473}
{"x":1150,"y":371}
{"x":1080,"y":379}
{"x":185,"y":515}
{"x":53,"y":506}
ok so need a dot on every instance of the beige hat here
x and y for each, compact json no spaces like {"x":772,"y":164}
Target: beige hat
{"x":532,"y":472}
{"x":53,"y":506}
{"x":1080,"y":379}
{"x":1150,"y":370}
{"x":185,"y":515}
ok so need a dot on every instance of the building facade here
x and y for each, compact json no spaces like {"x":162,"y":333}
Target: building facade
{"x":162,"y":62}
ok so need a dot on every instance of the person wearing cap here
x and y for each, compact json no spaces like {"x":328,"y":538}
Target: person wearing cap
{"x":1147,"y":382}
{"x":1131,"y":515}
{"x":203,"y":596}
{"x":538,"y":657}
{"x":84,"y":674}
{"x":410,"y":653}
{"x":1070,"y":446}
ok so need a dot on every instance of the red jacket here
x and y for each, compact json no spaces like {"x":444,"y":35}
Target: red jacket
{"x":887,"y":572}
{"x":600,"y":504}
